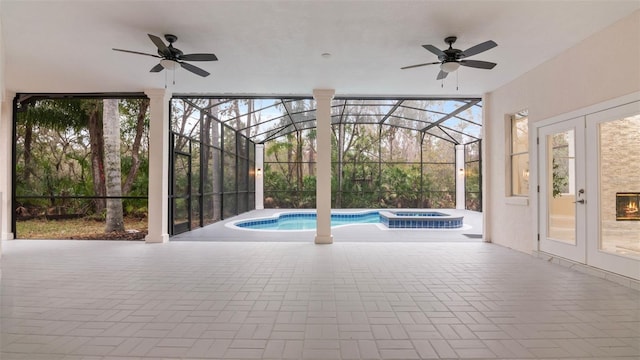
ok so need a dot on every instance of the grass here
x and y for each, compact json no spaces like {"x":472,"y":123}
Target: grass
{"x":77,"y":229}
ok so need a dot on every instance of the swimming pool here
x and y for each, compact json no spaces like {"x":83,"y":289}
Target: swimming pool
{"x":387,"y":218}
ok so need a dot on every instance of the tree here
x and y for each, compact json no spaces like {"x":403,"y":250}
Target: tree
{"x":138,"y":107}
{"x":93,"y":108}
{"x":113,"y":172}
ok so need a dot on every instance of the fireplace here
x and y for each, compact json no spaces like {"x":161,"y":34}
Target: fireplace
{"x":627,"y":206}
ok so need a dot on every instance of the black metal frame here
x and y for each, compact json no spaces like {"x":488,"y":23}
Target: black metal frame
{"x":293,"y":125}
{"x":223,"y":151}
{"x":479,"y":161}
{"x":181,"y":227}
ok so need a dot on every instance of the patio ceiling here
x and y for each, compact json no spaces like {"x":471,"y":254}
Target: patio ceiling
{"x":458,"y":121}
{"x":275,"y":47}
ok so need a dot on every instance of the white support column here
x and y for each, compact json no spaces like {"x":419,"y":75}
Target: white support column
{"x":1,"y":224}
{"x":259,"y":172}
{"x":158,"y":165}
{"x":6,"y":161}
{"x":460,"y":177}
{"x":484,"y":175}
{"x":6,"y":153}
{"x":323,"y":99}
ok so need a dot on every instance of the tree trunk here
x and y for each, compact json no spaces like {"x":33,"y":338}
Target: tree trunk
{"x":135,"y":150}
{"x":96,"y":138}
{"x":299,"y":148}
{"x":247,"y":132}
{"x":290,"y":157}
{"x":28,"y":139}
{"x":312,"y":158}
{"x":113,"y":179}
{"x":216,"y":180}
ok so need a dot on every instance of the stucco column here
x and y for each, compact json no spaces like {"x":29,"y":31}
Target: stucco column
{"x":486,"y":164}
{"x":158,"y":217}
{"x":460,"y":175}
{"x":323,"y":99}
{"x":259,"y":172}
{"x":6,"y":155}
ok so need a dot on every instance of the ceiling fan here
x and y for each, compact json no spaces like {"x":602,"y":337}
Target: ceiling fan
{"x":451,"y":59}
{"x":171,"y":58}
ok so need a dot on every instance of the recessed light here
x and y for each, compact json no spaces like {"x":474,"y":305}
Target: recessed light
{"x":326,"y":55}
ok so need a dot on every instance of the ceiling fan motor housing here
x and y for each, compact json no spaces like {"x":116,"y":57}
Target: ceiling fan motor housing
{"x":450,"y":54}
{"x":171,"y":38}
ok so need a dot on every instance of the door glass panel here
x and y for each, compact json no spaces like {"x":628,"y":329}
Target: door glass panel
{"x":561,"y":210}
{"x":620,"y":186}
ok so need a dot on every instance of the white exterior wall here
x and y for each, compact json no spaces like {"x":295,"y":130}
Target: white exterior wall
{"x":602,"y":67}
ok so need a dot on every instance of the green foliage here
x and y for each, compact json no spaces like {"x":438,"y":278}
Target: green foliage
{"x":53,"y":158}
{"x":361,"y":180}
{"x":560,"y":180}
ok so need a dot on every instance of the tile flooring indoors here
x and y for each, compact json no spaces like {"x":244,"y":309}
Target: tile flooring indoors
{"x":296,"y":300}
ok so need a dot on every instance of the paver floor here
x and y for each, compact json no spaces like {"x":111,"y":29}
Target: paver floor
{"x":296,"y":300}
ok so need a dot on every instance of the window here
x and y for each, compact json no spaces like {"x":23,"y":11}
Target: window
{"x":519,"y":158}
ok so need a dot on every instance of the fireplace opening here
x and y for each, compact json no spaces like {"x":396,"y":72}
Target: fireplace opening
{"x":627,"y":205}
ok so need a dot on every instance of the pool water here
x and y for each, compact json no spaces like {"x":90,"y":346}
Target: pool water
{"x":308,"y":221}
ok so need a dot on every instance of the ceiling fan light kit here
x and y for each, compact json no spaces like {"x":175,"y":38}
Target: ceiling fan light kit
{"x":449,"y":66}
{"x":451,"y":59}
{"x":169,"y":64}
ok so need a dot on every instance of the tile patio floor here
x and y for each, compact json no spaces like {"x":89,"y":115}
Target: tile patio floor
{"x":296,"y":300}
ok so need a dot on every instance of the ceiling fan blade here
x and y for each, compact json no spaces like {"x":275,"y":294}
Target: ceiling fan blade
{"x":137,"y":52}
{"x":478,"y":64}
{"x":434,"y":50}
{"x":418,"y":65}
{"x":160,"y":45}
{"x":194,"y":69}
{"x":199,"y":57}
{"x":474,"y":50}
{"x":157,"y":68}
{"x":442,"y":75}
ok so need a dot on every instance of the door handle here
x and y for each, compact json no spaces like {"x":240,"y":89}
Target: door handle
{"x":581,"y":201}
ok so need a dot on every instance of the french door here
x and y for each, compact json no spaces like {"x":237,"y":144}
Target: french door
{"x":562,"y":189}
{"x":613,"y":170}
{"x":589,"y":178}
